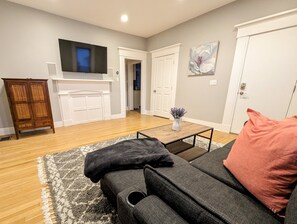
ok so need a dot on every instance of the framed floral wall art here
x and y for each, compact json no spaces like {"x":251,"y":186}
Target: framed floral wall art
{"x":203,"y":59}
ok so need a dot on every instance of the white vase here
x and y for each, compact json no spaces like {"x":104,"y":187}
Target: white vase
{"x":176,"y":124}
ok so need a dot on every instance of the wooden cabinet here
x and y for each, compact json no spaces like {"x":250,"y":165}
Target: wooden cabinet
{"x":29,"y":104}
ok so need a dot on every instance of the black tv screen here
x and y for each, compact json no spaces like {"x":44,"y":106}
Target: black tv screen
{"x":82,"y":57}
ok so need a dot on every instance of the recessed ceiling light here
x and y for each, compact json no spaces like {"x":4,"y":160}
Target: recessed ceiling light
{"x":124,"y":18}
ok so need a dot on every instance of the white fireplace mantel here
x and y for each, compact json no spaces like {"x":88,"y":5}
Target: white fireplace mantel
{"x":80,"y":80}
{"x":83,"y":100}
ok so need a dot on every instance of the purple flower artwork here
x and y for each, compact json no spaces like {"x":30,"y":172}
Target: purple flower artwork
{"x":203,"y":59}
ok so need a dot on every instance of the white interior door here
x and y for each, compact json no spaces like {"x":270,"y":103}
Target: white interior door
{"x":268,"y":77}
{"x":164,"y":69}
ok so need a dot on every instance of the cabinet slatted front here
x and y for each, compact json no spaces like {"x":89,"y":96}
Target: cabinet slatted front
{"x":29,"y":104}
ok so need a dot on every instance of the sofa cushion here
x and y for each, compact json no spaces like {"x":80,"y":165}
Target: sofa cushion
{"x":263,"y":159}
{"x":291,"y":214}
{"x":199,"y":198}
{"x":114,"y":182}
{"x":118,"y":181}
{"x":152,"y":210}
{"x":212,"y":164}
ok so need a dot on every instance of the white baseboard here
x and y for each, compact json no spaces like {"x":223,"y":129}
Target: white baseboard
{"x":107,"y":117}
{"x":216,"y":126}
{"x":117,"y":116}
{"x":6,"y":131}
{"x":226,"y":128}
{"x":146,"y":112}
{"x":10,"y":130}
{"x":58,"y":124}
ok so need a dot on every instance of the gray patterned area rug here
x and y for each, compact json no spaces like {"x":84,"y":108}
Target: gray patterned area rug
{"x":68,"y":196}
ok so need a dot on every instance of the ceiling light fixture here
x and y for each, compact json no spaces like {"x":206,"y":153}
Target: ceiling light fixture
{"x":124,"y":18}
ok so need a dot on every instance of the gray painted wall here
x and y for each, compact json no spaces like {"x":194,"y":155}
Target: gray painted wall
{"x":29,"y":39}
{"x":202,"y":101}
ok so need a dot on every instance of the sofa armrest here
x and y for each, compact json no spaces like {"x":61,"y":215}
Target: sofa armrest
{"x":153,"y":210}
{"x":291,"y":214}
{"x":125,"y":211}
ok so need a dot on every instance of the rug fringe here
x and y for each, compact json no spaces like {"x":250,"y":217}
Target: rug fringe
{"x":46,"y":207}
{"x":48,"y":214}
{"x":41,"y":173}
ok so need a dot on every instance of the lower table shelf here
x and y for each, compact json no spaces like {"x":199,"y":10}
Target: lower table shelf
{"x":185,"y":150}
{"x":192,"y":153}
{"x":178,"y":147}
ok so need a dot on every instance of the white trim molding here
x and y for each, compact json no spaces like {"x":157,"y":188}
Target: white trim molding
{"x":245,"y":31}
{"x":55,"y":78}
{"x":216,"y":126}
{"x":172,"y":49}
{"x":116,"y":116}
{"x":267,"y":24}
{"x":132,"y":54}
{"x":147,"y":112}
{"x":6,"y":131}
{"x":10,"y":130}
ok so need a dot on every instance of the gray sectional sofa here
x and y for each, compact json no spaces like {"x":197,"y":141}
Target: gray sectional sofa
{"x":202,"y":191}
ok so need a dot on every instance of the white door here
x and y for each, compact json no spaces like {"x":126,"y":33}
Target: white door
{"x":164,"y":69}
{"x":268,"y":77}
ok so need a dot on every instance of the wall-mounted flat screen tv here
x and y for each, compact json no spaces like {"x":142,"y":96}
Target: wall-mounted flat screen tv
{"x":82,"y":57}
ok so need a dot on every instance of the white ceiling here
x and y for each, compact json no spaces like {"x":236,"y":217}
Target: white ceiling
{"x":146,"y":17}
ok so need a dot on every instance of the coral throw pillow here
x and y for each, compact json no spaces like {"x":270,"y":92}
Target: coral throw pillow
{"x":264,"y":159}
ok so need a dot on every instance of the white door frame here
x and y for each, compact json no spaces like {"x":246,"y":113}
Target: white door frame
{"x":169,"y":50}
{"x":132,"y":54}
{"x":245,"y":30}
{"x":129,"y":76}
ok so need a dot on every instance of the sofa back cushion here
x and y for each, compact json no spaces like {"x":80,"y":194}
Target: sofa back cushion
{"x":264,"y":159}
{"x":291,"y":214}
{"x":200,"y":198}
{"x":212,"y":164}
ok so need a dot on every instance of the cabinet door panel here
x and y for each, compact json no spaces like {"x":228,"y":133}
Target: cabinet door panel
{"x":39,"y":100}
{"x":37,"y":91}
{"x":40,"y":110}
{"x":22,"y":111}
{"x":19,"y":92}
{"x":20,"y":100}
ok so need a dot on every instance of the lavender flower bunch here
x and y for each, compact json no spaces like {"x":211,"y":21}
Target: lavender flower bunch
{"x":177,"y":113}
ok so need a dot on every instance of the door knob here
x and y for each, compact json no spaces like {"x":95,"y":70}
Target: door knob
{"x":155,"y":91}
{"x":242,"y":86}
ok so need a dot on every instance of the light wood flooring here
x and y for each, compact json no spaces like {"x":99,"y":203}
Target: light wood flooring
{"x":20,"y":190}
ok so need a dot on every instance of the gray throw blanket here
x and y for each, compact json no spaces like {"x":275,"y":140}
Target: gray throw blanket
{"x":129,"y":154}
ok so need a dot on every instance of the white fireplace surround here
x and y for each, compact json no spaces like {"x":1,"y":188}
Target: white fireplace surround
{"x":83,"y":100}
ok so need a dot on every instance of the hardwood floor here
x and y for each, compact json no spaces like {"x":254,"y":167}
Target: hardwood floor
{"x":20,"y":190}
